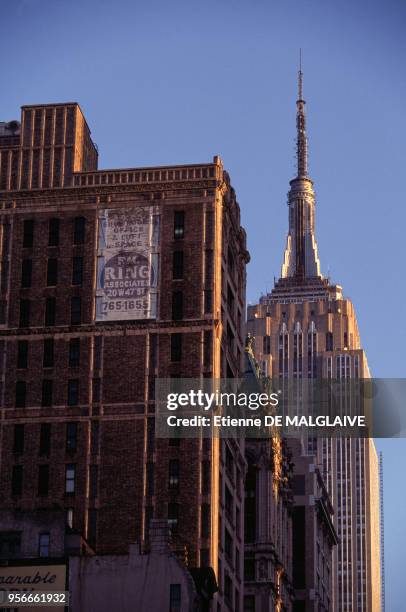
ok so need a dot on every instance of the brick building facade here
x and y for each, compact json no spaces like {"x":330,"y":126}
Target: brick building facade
{"x":77,"y":392}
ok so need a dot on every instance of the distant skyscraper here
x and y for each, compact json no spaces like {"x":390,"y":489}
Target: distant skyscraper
{"x":305,"y":329}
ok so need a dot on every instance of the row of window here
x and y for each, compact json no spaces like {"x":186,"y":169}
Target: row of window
{"x":71,"y":435}
{"x":48,"y":353}
{"x":79,"y":231}
{"x":47,"y":393}
{"x":52,"y":272}
{"x":50,"y":311}
{"x":10,"y":544}
{"x":17,"y":479}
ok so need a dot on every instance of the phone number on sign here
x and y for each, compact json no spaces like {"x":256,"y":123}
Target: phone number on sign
{"x":39,"y":598}
{"x":124,"y":305}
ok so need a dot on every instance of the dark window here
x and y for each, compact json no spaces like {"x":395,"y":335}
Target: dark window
{"x":93,"y":481}
{"x":28,"y":236}
{"x":17,"y":480}
{"x":249,"y":568}
{"x":43,"y":480}
{"x":206,"y":477}
{"x":298,"y":484}
{"x":43,"y":545}
{"x":70,"y":477}
{"x":74,"y":352}
{"x":73,"y":392}
{"x":10,"y":545}
{"x":45,"y":439}
{"x":53,"y":235}
{"x":79,"y":230}
{"x":149,"y":478}
{"x":48,"y":353}
{"x":177,"y":305}
{"x":205,"y":521}
{"x":177,"y":265}
{"x":21,"y":393}
{"x":76,"y":311}
{"x":26,"y":273}
{"x":18,"y":446}
{"x":50,"y":311}
{"x":249,"y":603}
{"x":174,"y":474}
{"x":52,"y":272}
{"x":77,"y":270}
{"x":24,"y":313}
{"x":204,"y":557}
{"x":47,"y":386}
{"x":228,"y":545}
{"x":228,"y":590}
{"x":179,"y":224}
{"x":329,"y":341}
{"x":71,"y":436}
{"x":173,"y":516}
{"x":176,"y":347}
{"x":22,"y":354}
{"x":208,"y":301}
{"x":267,"y":345}
{"x":96,"y":385}
{"x":175,"y":597}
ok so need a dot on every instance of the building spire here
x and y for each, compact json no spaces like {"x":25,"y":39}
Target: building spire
{"x":301,"y":260}
{"x":301,"y":144}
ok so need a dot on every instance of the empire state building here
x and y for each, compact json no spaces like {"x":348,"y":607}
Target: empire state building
{"x":305,"y":328}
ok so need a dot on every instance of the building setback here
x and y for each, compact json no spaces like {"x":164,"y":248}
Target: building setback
{"x":109,"y":280}
{"x":305,"y":328}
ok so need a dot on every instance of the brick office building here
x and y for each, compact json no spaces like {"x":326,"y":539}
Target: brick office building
{"x":81,"y":344}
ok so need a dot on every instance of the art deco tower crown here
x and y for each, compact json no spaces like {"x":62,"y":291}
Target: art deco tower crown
{"x":301,"y":261}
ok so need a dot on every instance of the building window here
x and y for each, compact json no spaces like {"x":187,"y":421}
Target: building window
{"x":22,"y":354}
{"x":174,"y":474}
{"x":228,"y":590}
{"x":177,"y":265}
{"x":48,"y":353}
{"x":249,"y":568}
{"x":28,"y":233}
{"x":52,"y":272}
{"x":24,"y":313}
{"x":17,"y":480}
{"x":71,"y":436}
{"x":76,"y":311}
{"x":77,"y":270}
{"x":175,"y":597}
{"x":267,"y":345}
{"x":176,"y":347}
{"x":69,"y":518}
{"x":79,"y":230}
{"x":43,"y":545}
{"x":173,"y":516}
{"x":45,"y":439}
{"x":205,"y":521}
{"x":249,"y":603}
{"x":208,"y":301}
{"x":53,"y":232}
{"x":21,"y":393}
{"x":206,"y":477}
{"x":74,"y":352}
{"x":10,"y":545}
{"x":179,"y":224}
{"x":177,"y":305}
{"x":50,"y":311}
{"x":70,"y":476}
{"x":43,"y":480}
{"x":149,"y":476}
{"x":26,"y":273}
{"x":18,"y":445}
{"x":228,"y":545}
{"x":47,"y":388}
{"x":96,"y":385}
{"x":73,"y":392}
{"x":329,"y":341}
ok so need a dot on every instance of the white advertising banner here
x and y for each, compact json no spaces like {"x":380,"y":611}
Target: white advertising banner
{"x":127,"y":264}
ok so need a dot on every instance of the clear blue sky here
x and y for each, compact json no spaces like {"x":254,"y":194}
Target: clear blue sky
{"x":177,"y":82}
